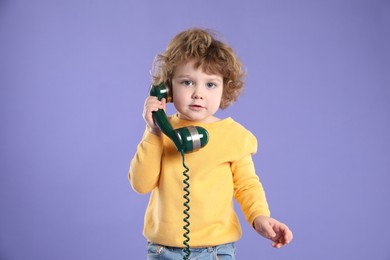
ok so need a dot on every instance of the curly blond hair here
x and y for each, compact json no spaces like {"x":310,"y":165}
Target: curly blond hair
{"x":211,"y":55}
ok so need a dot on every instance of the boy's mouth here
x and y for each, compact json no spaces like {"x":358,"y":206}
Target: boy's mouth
{"x":196,"y":107}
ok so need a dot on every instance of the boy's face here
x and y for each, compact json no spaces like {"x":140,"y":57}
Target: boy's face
{"x":196,"y":95}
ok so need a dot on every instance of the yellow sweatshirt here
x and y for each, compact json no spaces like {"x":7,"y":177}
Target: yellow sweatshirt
{"x":221,"y":170}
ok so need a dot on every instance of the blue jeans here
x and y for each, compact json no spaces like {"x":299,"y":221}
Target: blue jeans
{"x":221,"y":252}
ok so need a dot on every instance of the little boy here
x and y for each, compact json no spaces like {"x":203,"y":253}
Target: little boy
{"x":203,"y":74}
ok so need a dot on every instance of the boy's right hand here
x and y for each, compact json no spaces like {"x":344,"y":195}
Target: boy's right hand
{"x":152,"y":104}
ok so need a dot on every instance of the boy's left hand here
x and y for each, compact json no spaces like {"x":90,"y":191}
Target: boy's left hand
{"x":274,"y":230}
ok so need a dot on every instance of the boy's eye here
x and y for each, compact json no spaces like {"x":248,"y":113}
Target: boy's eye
{"x":187,"y":82}
{"x":211,"y":85}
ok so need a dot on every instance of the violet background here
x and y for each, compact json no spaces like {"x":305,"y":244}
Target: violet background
{"x":73,"y":79}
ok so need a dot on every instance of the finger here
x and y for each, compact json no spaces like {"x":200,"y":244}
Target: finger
{"x":288,"y":236}
{"x":164,"y":103}
{"x":280,"y":243}
{"x":277,"y":245}
{"x":152,"y":104}
{"x":149,"y":100}
{"x":285,"y":233}
{"x":152,"y":101}
{"x":270,"y":233}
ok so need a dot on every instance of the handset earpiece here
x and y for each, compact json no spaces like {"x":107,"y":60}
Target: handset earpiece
{"x":186,"y":139}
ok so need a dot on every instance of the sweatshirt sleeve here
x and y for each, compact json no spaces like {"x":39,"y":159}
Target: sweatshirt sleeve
{"x":248,"y":189}
{"x":145,"y":166}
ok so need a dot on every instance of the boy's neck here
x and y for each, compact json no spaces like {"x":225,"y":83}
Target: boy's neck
{"x":210,"y":119}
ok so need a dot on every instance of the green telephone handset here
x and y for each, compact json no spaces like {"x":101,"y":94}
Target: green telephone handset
{"x":186,"y":139}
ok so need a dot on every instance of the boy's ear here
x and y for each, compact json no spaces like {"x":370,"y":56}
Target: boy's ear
{"x":222,"y":105}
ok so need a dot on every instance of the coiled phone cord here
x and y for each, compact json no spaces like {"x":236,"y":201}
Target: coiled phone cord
{"x":186,"y":210}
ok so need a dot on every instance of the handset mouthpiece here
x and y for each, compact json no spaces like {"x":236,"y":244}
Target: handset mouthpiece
{"x":192,"y":138}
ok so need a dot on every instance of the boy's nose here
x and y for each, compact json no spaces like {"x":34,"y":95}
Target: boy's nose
{"x":197,"y":94}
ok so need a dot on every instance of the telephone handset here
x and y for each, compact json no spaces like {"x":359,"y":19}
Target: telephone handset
{"x":187,"y":139}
